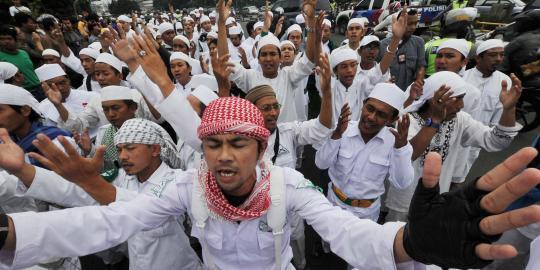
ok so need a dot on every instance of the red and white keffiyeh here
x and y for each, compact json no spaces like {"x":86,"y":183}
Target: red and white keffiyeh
{"x":234,"y":116}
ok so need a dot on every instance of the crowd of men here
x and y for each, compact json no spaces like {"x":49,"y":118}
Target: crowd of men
{"x":124,"y":138}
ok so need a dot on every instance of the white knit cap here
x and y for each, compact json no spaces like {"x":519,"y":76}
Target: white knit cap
{"x":269,"y":39}
{"x":488,"y":45}
{"x":116,"y":92}
{"x":183,"y":39}
{"x":7,"y":71}
{"x":369,"y":39}
{"x":90,"y":52}
{"x":359,"y":21}
{"x":204,"y":18}
{"x":342,"y":55}
{"x":257,"y":25}
{"x":124,"y":18}
{"x":327,"y":22}
{"x":18,"y":96}
{"x":180,"y":56}
{"x":204,"y":94}
{"x":434,"y":82}
{"x":110,"y":60}
{"x":230,"y":20}
{"x":459,"y":45}
{"x":300,"y":19}
{"x":212,"y":34}
{"x":390,"y":94}
{"x":287,"y":42}
{"x":49,"y":71}
{"x":50,"y":52}
{"x":164,"y":27}
{"x":95,"y":45}
{"x":235,"y":30}
{"x":294,"y":27}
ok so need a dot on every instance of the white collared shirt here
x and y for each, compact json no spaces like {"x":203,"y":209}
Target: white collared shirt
{"x":76,"y":102}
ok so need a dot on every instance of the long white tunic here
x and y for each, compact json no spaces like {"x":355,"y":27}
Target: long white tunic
{"x":76,"y":102}
{"x":359,"y":169}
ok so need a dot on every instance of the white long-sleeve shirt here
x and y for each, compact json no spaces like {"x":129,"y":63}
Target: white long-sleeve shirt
{"x":284,"y":84}
{"x":354,"y":96}
{"x":75,"y":103}
{"x":465,"y":132}
{"x":245,"y":245}
{"x":359,"y":169}
{"x":164,"y":247}
{"x":374,"y":75}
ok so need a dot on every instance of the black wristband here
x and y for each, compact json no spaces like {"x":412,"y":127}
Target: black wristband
{"x":4,"y":223}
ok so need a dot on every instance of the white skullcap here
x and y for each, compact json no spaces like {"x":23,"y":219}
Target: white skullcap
{"x":369,"y":39}
{"x":178,"y":26}
{"x":90,"y":52}
{"x":268,"y":40}
{"x":50,"y":52}
{"x":287,"y":42}
{"x":110,"y":60}
{"x":390,"y":94}
{"x":257,"y":25}
{"x":95,"y":45}
{"x":212,"y":14}
{"x":164,"y":27}
{"x":180,"y":56}
{"x":300,"y":19}
{"x":204,"y":94}
{"x":359,"y":21}
{"x":49,"y":71}
{"x":488,"y":45}
{"x":342,"y":55}
{"x":230,"y":20}
{"x":459,"y":45}
{"x":212,"y":34}
{"x":124,"y":18}
{"x":294,"y":27}
{"x":183,"y":39}
{"x":461,"y":14}
{"x":235,"y":30}
{"x":434,"y":82}
{"x":204,"y":18}
{"x":164,"y":16}
{"x":116,"y":92}
{"x":327,"y":22}
{"x":18,"y":96}
{"x":187,"y":18}
{"x":7,"y":71}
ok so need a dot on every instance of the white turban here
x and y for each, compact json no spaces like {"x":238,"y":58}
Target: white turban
{"x":287,"y":42}
{"x":18,"y":96}
{"x":141,"y":131}
{"x":110,"y":60}
{"x":390,"y":94}
{"x":183,"y":39}
{"x":459,"y":45}
{"x":205,"y":19}
{"x":359,"y":21}
{"x":488,"y":45}
{"x":116,"y":92}
{"x":204,"y":94}
{"x":300,"y":19}
{"x":342,"y":55}
{"x":49,"y":71}
{"x":50,"y":52}
{"x":269,"y":39}
{"x":294,"y":27}
{"x":7,"y":71}
{"x":164,"y":27}
{"x":434,"y":82}
{"x":180,"y":56}
{"x":369,"y":39}
{"x":230,"y":20}
{"x":327,"y":22}
{"x":90,"y":52}
{"x":124,"y":18}
{"x":235,"y":30}
{"x":257,"y":25}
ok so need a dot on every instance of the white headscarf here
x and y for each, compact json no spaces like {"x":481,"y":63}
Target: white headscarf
{"x":18,"y":96}
{"x":434,"y":82}
{"x":7,"y":71}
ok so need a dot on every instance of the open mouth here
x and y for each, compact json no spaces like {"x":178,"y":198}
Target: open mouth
{"x":226,"y":172}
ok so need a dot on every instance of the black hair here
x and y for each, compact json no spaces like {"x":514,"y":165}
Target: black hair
{"x":91,"y":26}
{"x":48,"y":23}
{"x":203,"y":107}
{"x":33,"y":117}
{"x":10,"y":80}
{"x":22,"y":18}
{"x":8,"y":30}
{"x":412,"y":12}
{"x":213,"y":41}
{"x":130,"y":103}
{"x":249,"y":27}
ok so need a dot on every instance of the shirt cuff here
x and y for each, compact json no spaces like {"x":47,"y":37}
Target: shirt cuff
{"x":305,"y":61}
{"x":407,"y":149}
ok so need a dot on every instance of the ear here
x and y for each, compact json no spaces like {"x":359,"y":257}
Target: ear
{"x":464,"y":62}
{"x":26,"y":110}
{"x":156,"y":150}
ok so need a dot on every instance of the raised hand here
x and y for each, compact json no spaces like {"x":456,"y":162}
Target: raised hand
{"x":279,"y":26}
{"x":343,"y":122}
{"x":469,"y":219}
{"x":123,"y":51}
{"x":83,"y":140}
{"x":70,"y":165}
{"x":439,"y":103}
{"x":509,"y":97}
{"x":401,"y":132}
{"x":57,"y":36}
{"x":222,"y":70}
{"x":399,"y":26}
{"x":11,"y":155}
{"x":325,"y":72}
{"x":309,"y":8}
{"x":151,"y":62}
{"x":52,"y":93}
{"x":224,"y":9}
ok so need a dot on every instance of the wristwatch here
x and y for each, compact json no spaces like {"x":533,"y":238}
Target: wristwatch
{"x":431,"y":124}
{"x":310,"y":29}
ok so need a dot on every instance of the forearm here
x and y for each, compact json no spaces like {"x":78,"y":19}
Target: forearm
{"x":223,"y":47}
{"x":101,"y":190}
{"x":400,"y":255}
{"x":420,"y":73}
{"x":64,"y":50}
{"x":62,"y":111}
{"x":508,"y":117}
{"x":421,"y":141}
{"x":26,"y":174}
{"x":389,"y":55}
{"x":311,"y":40}
{"x":326,"y":114}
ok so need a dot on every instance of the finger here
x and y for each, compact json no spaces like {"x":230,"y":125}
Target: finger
{"x":495,"y":252}
{"x":509,"y":168}
{"x":497,"y":224}
{"x":149,"y":45}
{"x":394,"y":132}
{"x":68,"y":147}
{"x":100,"y":154}
{"x":44,"y":161}
{"x":4,"y":136}
{"x":432,"y":169}
{"x":85,"y":132}
{"x":48,"y":148}
{"x":441,"y":91}
{"x":504,"y":86}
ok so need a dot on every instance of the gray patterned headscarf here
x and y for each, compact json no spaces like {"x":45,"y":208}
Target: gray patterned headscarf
{"x":142,"y":131}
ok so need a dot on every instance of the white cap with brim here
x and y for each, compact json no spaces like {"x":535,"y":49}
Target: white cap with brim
{"x":369,"y":39}
{"x":7,"y":71}
{"x":204,"y":94}
{"x":459,"y":45}
{"x":341,"y":55}
{"x":359,"y":21}
{"x":116,"y":92}
{"x":110,"y":60}
{"x":300,"y":19}
{"x":269,"y":39}
{"x":50,"y":52}
{"x":456,"y":83}
{"x":390,"y":94}
{"x":49,"y":71}
{"x":90,"y":52}
{"x":164,"y":27}
{"x":124,"y":18}
{"x":488,"y":45}
{"x":235,"y":30}
{"x":183,"y":39}
{"x":18,"y":96}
